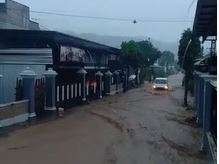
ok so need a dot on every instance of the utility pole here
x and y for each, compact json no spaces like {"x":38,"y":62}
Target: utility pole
{"x":186,"y":75}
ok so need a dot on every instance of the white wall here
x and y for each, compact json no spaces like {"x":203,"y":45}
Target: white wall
{"x":10,"y":74}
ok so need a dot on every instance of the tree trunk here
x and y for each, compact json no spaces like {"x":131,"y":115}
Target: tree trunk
{"x":186,"y":91}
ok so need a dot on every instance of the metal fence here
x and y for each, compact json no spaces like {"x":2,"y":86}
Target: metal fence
{"x":68,"y":94}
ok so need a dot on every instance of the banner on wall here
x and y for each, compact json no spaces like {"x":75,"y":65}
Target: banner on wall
{"x":71,"y":54}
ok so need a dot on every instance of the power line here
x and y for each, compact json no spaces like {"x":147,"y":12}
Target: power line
{"x":110,"y":18}
{"x":169,"y":20}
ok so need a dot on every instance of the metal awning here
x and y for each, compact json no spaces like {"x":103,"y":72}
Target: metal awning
{"x":205,"y":22}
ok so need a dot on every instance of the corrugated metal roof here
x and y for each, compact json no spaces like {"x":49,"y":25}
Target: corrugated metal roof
{"x":36,"y":38}
{"x":205,"y":22}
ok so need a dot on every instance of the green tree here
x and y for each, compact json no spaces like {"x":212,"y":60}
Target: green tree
{"x":131,"y":54}
{"x":193,"y":52}
{"x":166,"y":59}
{"x":149,"y":53}
{"x":139,"y":54}
{"x":189,"y":50}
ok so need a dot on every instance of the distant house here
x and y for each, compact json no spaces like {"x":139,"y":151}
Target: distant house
{"x":14,"y":15}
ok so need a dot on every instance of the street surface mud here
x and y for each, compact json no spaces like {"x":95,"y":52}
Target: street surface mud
{"x":140,"y":126}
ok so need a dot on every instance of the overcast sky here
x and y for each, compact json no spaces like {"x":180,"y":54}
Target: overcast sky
{"x":133,"y":9}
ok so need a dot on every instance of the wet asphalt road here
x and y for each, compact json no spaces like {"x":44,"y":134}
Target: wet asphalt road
{"x":138,"y":127}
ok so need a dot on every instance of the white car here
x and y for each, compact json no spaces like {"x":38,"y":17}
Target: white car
{"x":160,"y":83}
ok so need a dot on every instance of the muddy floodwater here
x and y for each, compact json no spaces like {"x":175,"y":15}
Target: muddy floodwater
{"x":141,"y":126}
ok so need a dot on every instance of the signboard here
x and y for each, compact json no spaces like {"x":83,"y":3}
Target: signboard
{"x":71,"y":54}
{"x":112,"y":57}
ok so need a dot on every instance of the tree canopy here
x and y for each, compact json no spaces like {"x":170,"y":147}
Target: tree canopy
{"x":186,"y":59}
{"x":166,"y":59}
{"x":139,"y":54}
{"x":189,"y":50}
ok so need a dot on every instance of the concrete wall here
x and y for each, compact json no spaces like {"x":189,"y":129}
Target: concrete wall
{"x":10,"y":74}
{"x":16,"y":16}
{"x":13,"y":113}
{"x":33,"y":25}
{"x":14,"y":61}
{"x":3,"y":15}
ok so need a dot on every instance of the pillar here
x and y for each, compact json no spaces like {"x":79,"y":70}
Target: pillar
{"x":125,"y":86}
{"x":50,"y":89}
{"x":138,"y":77}
{"x":99,"y":77}
{"x":117,"y":81}
{"x":82,"y":73}
{"x":108,"y":75}
{"x":28,"y":77}
{"x":1,"y":89}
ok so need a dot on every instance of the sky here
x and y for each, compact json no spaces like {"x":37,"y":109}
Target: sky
{"x":133,"y":9}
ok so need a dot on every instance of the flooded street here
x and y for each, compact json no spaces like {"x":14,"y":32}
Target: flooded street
{"x":137,"y":127}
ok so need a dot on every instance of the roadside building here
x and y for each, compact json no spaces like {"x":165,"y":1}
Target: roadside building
{"x":14,"y":15}
{"x":14,"y":61}
{"x":205,"y":27}
{"x":83,"y":70}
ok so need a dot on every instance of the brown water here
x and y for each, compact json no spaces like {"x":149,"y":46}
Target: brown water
{"x":138,"y":127}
